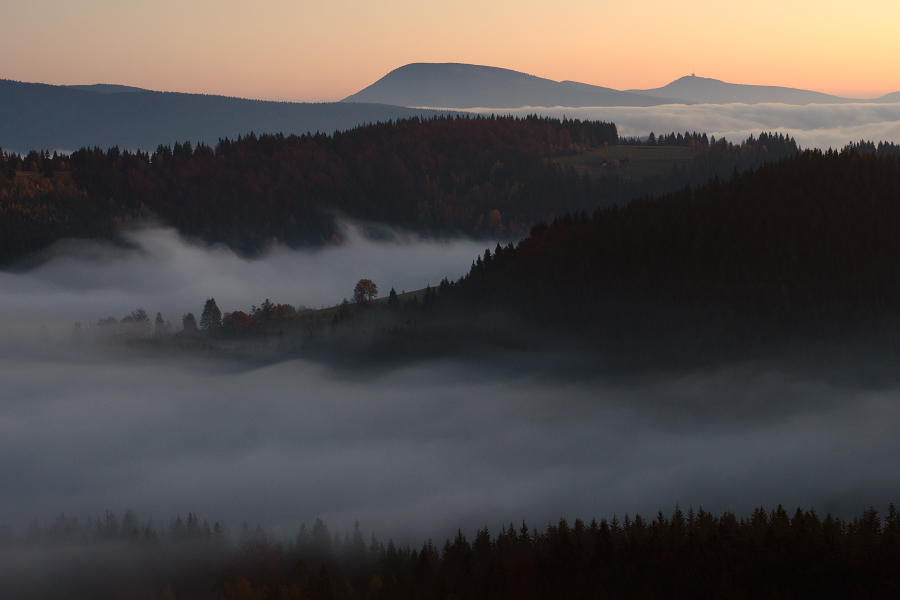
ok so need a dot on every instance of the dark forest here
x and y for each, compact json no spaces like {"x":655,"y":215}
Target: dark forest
{"x":483,"y":177}
{"x":800,"y":251}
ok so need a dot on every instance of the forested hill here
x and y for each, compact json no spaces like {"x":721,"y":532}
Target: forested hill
{"x":490,"y":177}
{"x":808,"y":246}
{"x":445,"y":175}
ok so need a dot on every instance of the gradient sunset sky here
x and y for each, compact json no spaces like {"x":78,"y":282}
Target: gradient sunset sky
{"x":322,"y":51}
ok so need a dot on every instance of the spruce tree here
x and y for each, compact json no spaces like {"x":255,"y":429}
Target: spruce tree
{"x":211,"y":317}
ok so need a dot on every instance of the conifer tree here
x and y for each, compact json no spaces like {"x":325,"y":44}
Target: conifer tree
{"x":211,"y":317}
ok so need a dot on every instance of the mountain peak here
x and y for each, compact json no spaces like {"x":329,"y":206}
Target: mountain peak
{"x":480,"y":87}
{"x":459,"y":85}
{"x":705,"y":90}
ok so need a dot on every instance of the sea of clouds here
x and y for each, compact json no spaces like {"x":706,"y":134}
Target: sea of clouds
{"x":413,"y":451}
{"x":813,"y":126}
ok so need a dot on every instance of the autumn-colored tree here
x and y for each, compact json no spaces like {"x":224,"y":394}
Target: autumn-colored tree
{"x":365,"y":291}
{"x":237,"y":322}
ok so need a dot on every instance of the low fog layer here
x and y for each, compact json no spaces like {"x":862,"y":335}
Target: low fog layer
{"x":412,"y":452}
{"x":421,"y":450}
{"x":813,"y":126}
{"x":86,"y":281}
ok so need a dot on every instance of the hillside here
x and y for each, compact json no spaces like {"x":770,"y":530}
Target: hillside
{"x":789,"y":260}
{"x":808,"y":247}
{"x":889,"y":98}
{"x":476,"y":177}
{"x":69,"y":117}
{"x":447,"y":176}
{"x":799,"y":254}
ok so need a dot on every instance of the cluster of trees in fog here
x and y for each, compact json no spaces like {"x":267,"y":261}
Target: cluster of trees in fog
{"x":488,"y":177}
{"x":683,"y":555}
{"x":135,"y":325}
{"x":698,"y":554}
{"x":69,"y":529}
{"x":235,"y":323}
{"x":138,"y":325}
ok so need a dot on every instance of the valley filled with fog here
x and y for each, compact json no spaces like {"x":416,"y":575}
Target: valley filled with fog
{"x":412,"y":451}
{"x":813,"y":126}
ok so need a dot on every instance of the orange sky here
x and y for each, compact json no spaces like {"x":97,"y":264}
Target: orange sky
{"x":317,"y":51}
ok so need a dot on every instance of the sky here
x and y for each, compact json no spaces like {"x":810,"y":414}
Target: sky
{"x":297,"y":50}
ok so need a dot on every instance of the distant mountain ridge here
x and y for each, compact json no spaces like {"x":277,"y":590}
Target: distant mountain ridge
{"x":474,"y":86}
{"x":41,"y":116}
{"x":703,"y":90}
{"x":462,"y":86}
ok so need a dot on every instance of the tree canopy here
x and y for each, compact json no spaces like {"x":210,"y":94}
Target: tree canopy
{"x":211,"y":317}
{"x":365,"y":291}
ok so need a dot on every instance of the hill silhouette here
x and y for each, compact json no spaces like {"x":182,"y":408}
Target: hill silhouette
{"x":462,"y":86}
{"x":703,"y":90}
{"x":889,"y":98}
{"x":473,"y":86}
{"x":106,"y":88}
{"x":69,"y":117}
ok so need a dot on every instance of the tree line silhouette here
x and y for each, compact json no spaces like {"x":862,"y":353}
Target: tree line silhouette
{"x":687,"y":554}
{"x":484,"y":177}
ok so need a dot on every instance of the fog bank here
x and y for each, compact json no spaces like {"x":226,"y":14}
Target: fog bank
{"x":419,"y":451}
{"x":87,"y":280}
{"x":412,"y":452}
{"x":813,"y":126}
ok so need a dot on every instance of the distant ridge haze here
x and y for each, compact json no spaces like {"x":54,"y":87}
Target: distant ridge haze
{"x":459,"y":85}
{"x":462,"y":86}
{"x":703,"y":90}
{"x":68,"y":117}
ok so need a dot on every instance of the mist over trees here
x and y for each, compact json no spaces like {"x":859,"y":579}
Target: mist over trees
{"x":686,"y":554}
{"x":483,"y":177}
{"x":804,"y":249}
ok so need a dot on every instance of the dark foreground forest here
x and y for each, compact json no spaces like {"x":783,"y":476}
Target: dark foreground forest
{"x":804,"y":248}
{"x":481,"y":177}
{"x":688,"y":554}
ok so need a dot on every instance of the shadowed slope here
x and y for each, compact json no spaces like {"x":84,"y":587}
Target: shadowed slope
{"x":60,"y":117}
